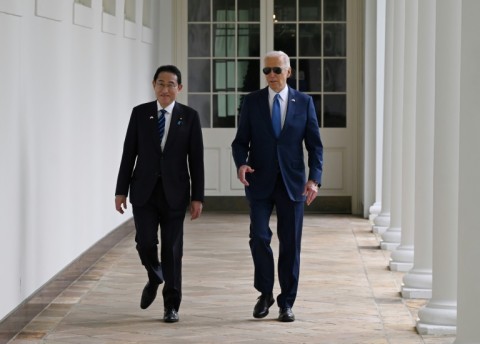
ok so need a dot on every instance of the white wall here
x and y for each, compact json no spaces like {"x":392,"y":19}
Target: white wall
{"x":66,"y":92}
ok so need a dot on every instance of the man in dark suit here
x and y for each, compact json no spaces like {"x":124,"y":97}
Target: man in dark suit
{"x":268,"y":152}
{"x":162,"y":165}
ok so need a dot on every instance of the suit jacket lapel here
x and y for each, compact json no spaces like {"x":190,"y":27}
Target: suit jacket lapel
{"x":291,"y":104}
{"x":175,"y":122}
{"x":153,"y":121}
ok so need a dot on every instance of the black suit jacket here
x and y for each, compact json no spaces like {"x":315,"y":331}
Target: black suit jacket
{"x":180,"y":163}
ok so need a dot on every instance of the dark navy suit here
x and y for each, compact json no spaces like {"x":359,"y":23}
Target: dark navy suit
{"x":278,"y":181}
{"x":161,"y":185}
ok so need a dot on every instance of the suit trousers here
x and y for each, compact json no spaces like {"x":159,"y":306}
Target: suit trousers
{"x":156,"y":212}
{"x":289,"y":231}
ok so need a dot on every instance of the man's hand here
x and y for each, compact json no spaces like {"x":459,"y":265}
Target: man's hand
{"x":120,"y":203}
{"x":242,"y":171}
{"x":195,"y":209}
{"x":311,"y":191}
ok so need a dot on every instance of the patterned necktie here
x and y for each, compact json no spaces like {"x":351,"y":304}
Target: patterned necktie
{"x":161,"y":124}
{"x":276,"y":116}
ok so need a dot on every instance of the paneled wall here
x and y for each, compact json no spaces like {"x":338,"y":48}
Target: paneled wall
{"x":70,"y":74}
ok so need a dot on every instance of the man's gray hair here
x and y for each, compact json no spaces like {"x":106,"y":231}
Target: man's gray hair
{"x":278,"y":53}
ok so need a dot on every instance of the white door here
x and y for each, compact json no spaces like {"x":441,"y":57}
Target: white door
{"x":221,"y":49}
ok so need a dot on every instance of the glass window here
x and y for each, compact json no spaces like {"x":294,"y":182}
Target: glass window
{"x":310,"y":10}
{"x":201,"y":103}
{"x":223,"y":57}
{"x":129,"y":10}
{"x":199,"y":75}
{"x":198,"y":10}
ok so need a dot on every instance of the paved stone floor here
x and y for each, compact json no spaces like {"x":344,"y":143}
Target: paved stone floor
{"x":347,"y":294}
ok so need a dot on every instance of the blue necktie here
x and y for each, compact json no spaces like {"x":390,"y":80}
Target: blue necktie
{"x":276,"y":116}
{"x":161,"y":124}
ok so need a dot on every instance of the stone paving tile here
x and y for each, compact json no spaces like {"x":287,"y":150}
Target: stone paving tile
{"x":347,"y":294}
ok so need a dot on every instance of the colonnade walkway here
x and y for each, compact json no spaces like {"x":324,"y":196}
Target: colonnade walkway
{"x":346,"y":295}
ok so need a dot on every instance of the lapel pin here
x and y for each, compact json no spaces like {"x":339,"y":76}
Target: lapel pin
{"x":151,"y":117}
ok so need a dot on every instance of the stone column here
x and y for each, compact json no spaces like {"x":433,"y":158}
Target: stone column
{"x":417,"y":283}
{"x":376,"y":207}
{"x":382,"y":221}
{"x":401,"y":258}
{"x":391,"y":237}
{"x":468,"y":308}
{"x":439,"y":315}
{"x":369,"y":175}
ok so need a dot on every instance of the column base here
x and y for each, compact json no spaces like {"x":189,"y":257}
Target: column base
{"x":416,"y":293}
{"x":427,"y":329}
{"x":379,"y":229}
{"x":400,"y":266}
{"x":389,"y":246}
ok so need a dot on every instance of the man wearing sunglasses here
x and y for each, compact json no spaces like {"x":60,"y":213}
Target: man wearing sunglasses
{"x":274,"y":124}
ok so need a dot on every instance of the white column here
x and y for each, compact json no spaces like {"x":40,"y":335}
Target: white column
{"x":468,"y":308}
{"x":439,"y":315}
{"x":382,"y":221}
{"x":417,"y":283}
{"x":401,"y":258}
{"x":376,"y":207}
{"x":391,"y":237}
{"x":369,"y":174}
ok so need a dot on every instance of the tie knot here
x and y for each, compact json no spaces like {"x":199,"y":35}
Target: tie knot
{"x":277,"y":97}
{"x":163,"y":112}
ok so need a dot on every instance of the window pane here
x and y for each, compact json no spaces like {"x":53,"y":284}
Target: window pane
{"x":248,"y":40}
{"x":285,"y":10}
{"x":334,"y":40}
{"x":199,"y":75}
{"x":224,"y":75}
{"x":335,"y":10}
{"x":317,"y":102}
{"x":310,"y":40}
{"x":285,"y":39}
{"x":201,"y":103}
{"x":224,"y":111}
{"x":310,"y":10}
{"x":335,"y":76}
{"x":335,"y":111}
{"x":248,"y":75}
{"x":223,"y":10}
{"x":249,"y":10}
{"x":198,"y":40}
{"x":292,"y":80}
{"x":199,"y":10}
{"x":310,"y":75}
{"x":224,"y":40}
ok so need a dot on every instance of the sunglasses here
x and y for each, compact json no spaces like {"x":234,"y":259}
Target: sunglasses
{"x":276,"y":70}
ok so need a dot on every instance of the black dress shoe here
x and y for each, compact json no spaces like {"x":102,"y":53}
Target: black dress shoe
{"x":170,"y":315}
{"x":286,"y":315}
{"x":263,"y":304}
{"x":149,"y":294}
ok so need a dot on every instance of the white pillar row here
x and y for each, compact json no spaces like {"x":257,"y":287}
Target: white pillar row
{"x":417,"y":283}
{"x":439,"y":315}
{"x":376,"y":207}
{"x":391,"y":237}
{"x":369,"y":174}
{"x":382,"y":221}
{"x":401,"y":258}
{"x":468,"y":306}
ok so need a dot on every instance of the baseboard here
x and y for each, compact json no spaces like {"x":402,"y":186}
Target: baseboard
{"x":239,"y":204}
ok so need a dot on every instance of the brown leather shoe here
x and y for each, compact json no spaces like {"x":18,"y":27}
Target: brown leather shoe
{"x":265,"y":301}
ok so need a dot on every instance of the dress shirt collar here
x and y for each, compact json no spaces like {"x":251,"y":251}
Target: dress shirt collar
{"x":169,"y":108}
{"x":283,"y":93}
